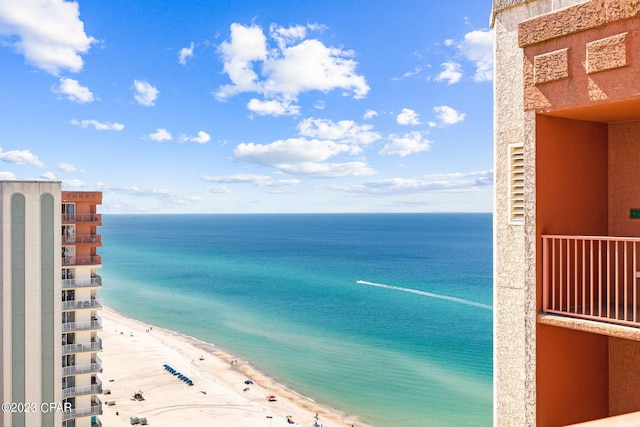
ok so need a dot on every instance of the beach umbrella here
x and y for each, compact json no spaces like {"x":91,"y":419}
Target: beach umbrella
{"x":248,"y":382}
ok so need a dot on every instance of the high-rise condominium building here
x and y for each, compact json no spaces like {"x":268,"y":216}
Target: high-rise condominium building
{"x":48,"y":305}
{"x":567,"y":212}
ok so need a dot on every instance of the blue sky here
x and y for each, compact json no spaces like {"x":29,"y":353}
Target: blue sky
{"x":252,"y":106}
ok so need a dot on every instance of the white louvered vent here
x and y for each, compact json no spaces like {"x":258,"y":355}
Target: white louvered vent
{"x":516,"y":184}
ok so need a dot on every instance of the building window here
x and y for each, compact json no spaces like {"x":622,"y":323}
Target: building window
{"x":516,"y":184}
{"x":68,"y":211}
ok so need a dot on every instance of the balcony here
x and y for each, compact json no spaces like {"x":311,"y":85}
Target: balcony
{"x":94,"y":282}
{"x":82,"y":348}
{"x":89,"y":239}
{"x":82,"y":326}
{"x":89,"y":368}
{"x":76,"y":260}
{"x":81,"y":391}
{"x":82,"y":217}
{"x":81,"y":304}
{"x":94,"y":409}
{"x":593,"y":278}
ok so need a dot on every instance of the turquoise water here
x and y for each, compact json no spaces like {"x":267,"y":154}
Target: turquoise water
{"x":384,"y":316}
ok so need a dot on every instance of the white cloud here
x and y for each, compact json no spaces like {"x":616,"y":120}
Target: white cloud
{"x":98,"y":125}
{"x":280,"y":73}
{"x":202,"y":138}
{"x":273,"y":108}
{"x":469,"y":181}
{"x":369,"y":114}
{"x":68,"y":167}
{"x":343,"y":131}
{"x":49,"y":33}
{"x":48,"y":176}
{"x":169,"y":197}
{"x":300,"y":156}
{"x":185,"y":53}
{"x":287,"y":36}
{"x":73,"y":91}
{"x":477,"y":47}
{"x":293,"y":150}
{"x":451,"y":74}
{"x":408,"y":117}
{"x":259,"y":180}
{"x":329,"y":170}
{"x":145,"y":93}
{"x":219,"y":189}
{"x":403,"y":145}
{"x":7,"y":176}
{"x":414,"y":72}
{"x":160,"y":135}
{"x":247,"y":45}
{"x":23,"y":157}
{"x":447,"y":115}
{"x":311,"y":65}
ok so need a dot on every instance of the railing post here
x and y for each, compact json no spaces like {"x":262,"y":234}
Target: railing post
{"x":545,"y":274}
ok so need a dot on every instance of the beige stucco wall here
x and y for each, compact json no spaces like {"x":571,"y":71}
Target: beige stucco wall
{"x":32,"y":191}
{"x":514,"y":245}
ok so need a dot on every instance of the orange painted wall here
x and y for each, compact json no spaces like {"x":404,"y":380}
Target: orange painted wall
{"x":571,"y":198}
{"x":571,"y":176}
{"x":572,"y":376}
{"x":582,"y":89}
{"x":624,"y":178}
{"x":624,"y":376}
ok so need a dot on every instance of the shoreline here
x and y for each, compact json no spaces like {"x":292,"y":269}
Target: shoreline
{"x":133,"y":356}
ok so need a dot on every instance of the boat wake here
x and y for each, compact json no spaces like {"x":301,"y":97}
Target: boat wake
{"x":426,"y":294}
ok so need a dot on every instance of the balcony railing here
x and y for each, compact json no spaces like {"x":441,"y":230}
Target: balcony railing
{"x":88,"y":368}
{"x":94,"y":409}
{"x":82,"y":239}
{"x":81,"y":391}
{"x":82,"y":348}
{"x":76,"y":260}
{"x":94,"y":282}
{"x":593,"y":278}
{"x":81,"y":304}
{"x":81,"y":217}
{"x":82,"y":326}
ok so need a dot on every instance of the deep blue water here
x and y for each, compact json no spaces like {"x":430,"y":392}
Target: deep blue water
{"x":385,"y":316}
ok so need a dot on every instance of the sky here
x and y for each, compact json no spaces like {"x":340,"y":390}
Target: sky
{"x":253,"y":106}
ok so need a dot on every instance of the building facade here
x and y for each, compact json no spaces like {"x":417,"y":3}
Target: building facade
{"x":80,"y":305}
{"x":567,"y":212}
{"x":48,"y":334}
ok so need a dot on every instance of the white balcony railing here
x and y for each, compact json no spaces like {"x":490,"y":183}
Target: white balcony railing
{"x":81,"y":391}
{"x":82,"y":348}
{"x":76,"y":260}
{"x":82,"y":326}
{"x":593,"y":278}
{"x":81,"y":304}
{"x":94,"y":409}
{"x":88,"y":368}
{"x":94,"y":282}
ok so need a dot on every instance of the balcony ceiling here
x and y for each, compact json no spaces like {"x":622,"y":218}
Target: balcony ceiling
{"x":604,"y":112}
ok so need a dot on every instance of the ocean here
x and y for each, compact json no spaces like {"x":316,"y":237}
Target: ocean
{"x":383,"y":316}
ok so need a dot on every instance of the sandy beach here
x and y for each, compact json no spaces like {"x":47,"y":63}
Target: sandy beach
{"x":133,"y":358}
